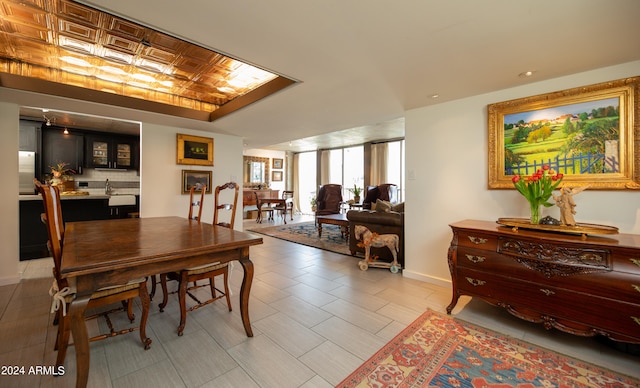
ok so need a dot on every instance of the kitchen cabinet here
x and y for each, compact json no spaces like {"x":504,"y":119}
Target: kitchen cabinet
{"x":117,"y":152}
{"x":33,"y":234}
{"x":59,"y":147}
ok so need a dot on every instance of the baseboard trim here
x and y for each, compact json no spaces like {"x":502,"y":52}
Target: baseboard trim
{"x":426,"y":278}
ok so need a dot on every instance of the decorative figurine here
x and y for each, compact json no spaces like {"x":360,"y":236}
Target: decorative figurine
{"x":567,"y":205}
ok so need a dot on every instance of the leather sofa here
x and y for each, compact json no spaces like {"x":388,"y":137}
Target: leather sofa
{"x":379,"y":222}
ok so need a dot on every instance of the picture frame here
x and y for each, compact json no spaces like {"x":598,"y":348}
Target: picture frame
{"x":194,"y":150}
{"x":276,"y":176}
{"x":194,"y":177}
{"x":277,"y":163}
{"x":590,"y":134}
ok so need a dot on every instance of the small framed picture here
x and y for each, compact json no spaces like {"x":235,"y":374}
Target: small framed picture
{"x":276,"y":176}
{"x":196,"y":178}
{"x":277,"y":164}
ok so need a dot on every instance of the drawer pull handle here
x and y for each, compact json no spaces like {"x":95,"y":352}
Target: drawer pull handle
{"x":547,"y":292}
{"x":636,"y":287}
{"x":635,"y":261}
{"x":477,"y":240}
{"x":476,"y":282}
{"x":636,"y":319}
{"x":476,"y":259}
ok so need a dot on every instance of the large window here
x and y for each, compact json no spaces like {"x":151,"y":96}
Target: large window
{"x":306,"y":180}
{"x":395,"y":166}
{"x":346,"y":167}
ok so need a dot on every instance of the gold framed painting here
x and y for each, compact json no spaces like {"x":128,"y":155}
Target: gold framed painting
{"x":194,"y":150}
{"x":197,"y":178}
{"x":277,"y":163}
{"x":277,"y":176}
{"x":590,"y":134}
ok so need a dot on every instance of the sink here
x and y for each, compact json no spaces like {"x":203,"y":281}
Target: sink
{"x":122,"y":200}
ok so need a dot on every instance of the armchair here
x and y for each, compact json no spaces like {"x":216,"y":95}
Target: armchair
{"x":328,"y":199}
{"x":383,"y":192}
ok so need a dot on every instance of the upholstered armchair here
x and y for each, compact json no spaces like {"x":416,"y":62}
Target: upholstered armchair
{"x":328,"y":199}
{"x":384,"y":192}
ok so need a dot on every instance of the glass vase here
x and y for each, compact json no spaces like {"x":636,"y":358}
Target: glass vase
{"x":535,"y":213}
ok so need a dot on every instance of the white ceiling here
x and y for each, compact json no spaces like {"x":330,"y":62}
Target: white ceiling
{"x":362,"y":64}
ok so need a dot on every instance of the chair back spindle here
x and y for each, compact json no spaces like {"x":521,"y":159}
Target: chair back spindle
{"x":196,"y":203}
{"x":225,"y":205}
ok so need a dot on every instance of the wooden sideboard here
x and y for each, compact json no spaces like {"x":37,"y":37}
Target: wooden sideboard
{"x":249,"y":199}
{"x":585,"y":287}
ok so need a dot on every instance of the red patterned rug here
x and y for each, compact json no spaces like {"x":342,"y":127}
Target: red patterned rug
{"x":438,"y":351}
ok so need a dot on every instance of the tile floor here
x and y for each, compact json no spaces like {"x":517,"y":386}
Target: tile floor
{"x":316,"y":317}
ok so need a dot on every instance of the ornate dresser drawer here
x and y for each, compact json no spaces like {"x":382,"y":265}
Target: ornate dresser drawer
{"x":582,"y":286}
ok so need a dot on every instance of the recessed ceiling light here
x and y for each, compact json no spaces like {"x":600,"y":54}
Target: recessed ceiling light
{"x":435,"y":95}
{"x":526,"y":74}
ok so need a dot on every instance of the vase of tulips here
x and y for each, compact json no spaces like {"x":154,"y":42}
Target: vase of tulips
{"x":537,"y":189}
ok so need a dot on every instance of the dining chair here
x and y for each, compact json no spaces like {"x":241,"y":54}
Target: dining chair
{"x":207,"y":271}
{"x":268,"y":209}
{"x":287,"y":195}
{"x":194,"y":204}
{"x":63,"y":290}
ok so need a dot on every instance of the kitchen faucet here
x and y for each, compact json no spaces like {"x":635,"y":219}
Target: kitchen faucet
{"x":107,"y":188}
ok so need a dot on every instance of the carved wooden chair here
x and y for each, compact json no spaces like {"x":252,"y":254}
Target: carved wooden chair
{"x":264,"y":209}
{"x":195,"y":204}
{"x":287,"y":195}
{"x":207,"y":271}
{"x":63,"y":290}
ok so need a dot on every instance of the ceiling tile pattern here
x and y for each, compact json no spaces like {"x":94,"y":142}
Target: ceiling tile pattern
{"x":73,"y":44}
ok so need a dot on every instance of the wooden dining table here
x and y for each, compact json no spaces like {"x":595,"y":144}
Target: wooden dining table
{"x":106,"y":253}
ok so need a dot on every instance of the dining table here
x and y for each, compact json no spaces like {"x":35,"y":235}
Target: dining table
{"x":106,"y":253}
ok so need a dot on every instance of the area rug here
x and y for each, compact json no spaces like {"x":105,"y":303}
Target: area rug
{"x":306,"y":233}
{"x":439,"y":351}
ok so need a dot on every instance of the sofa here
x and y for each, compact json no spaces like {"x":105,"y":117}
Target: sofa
{"x":378,"y":221}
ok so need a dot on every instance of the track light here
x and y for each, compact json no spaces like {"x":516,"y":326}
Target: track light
{"x":66,"y":131}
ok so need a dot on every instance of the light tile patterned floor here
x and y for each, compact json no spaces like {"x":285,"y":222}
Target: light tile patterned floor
{"x":316,"y":317}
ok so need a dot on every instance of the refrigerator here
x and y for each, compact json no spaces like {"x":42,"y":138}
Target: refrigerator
{"x":27,"y":171}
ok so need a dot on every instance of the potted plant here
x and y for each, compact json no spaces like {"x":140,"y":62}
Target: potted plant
{"x":356,"y":193}
{"x":313,"y":204}
{"x":62,"y":176}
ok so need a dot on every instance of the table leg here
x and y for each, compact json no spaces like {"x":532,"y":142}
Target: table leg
{"x":247,"y":265}
{"x":284,"y":214}
{"x":319,"y":229}
{"x":80,"y":339}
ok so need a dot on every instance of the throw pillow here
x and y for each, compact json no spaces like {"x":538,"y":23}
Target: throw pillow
{"x":383,"y":206}
{"x":399,"y":207}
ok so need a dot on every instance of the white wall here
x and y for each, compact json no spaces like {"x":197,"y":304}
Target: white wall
{"x":9,"y":210}
{"x":447,"y":156}
{"x":161,"y":177}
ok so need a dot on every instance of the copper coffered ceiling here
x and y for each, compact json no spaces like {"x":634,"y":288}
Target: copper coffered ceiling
{"x":63,"y":48}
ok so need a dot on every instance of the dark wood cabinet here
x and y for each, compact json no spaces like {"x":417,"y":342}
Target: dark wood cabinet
{"x":33,"y":234}
{"x":587,"y":286}
{"x":117,"y":152}
{"x":60,"y":147}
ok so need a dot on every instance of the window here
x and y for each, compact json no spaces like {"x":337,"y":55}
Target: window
{"x":395,"y":166}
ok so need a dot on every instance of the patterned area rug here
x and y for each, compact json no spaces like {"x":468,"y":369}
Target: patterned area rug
{"x":438,"y":351}
{"x":307,"y":233}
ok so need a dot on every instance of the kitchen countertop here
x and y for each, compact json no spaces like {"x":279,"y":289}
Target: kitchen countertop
{"x":33,"y":197}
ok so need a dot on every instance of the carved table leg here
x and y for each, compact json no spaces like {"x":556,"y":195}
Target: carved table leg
{"x":80,"y":339}
{"x":247,"y":265}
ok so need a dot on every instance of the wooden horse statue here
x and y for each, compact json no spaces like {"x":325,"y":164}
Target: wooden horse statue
{"x":369,"y":239}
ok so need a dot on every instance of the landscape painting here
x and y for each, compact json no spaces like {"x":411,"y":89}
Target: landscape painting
{"x":588,"y":134}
